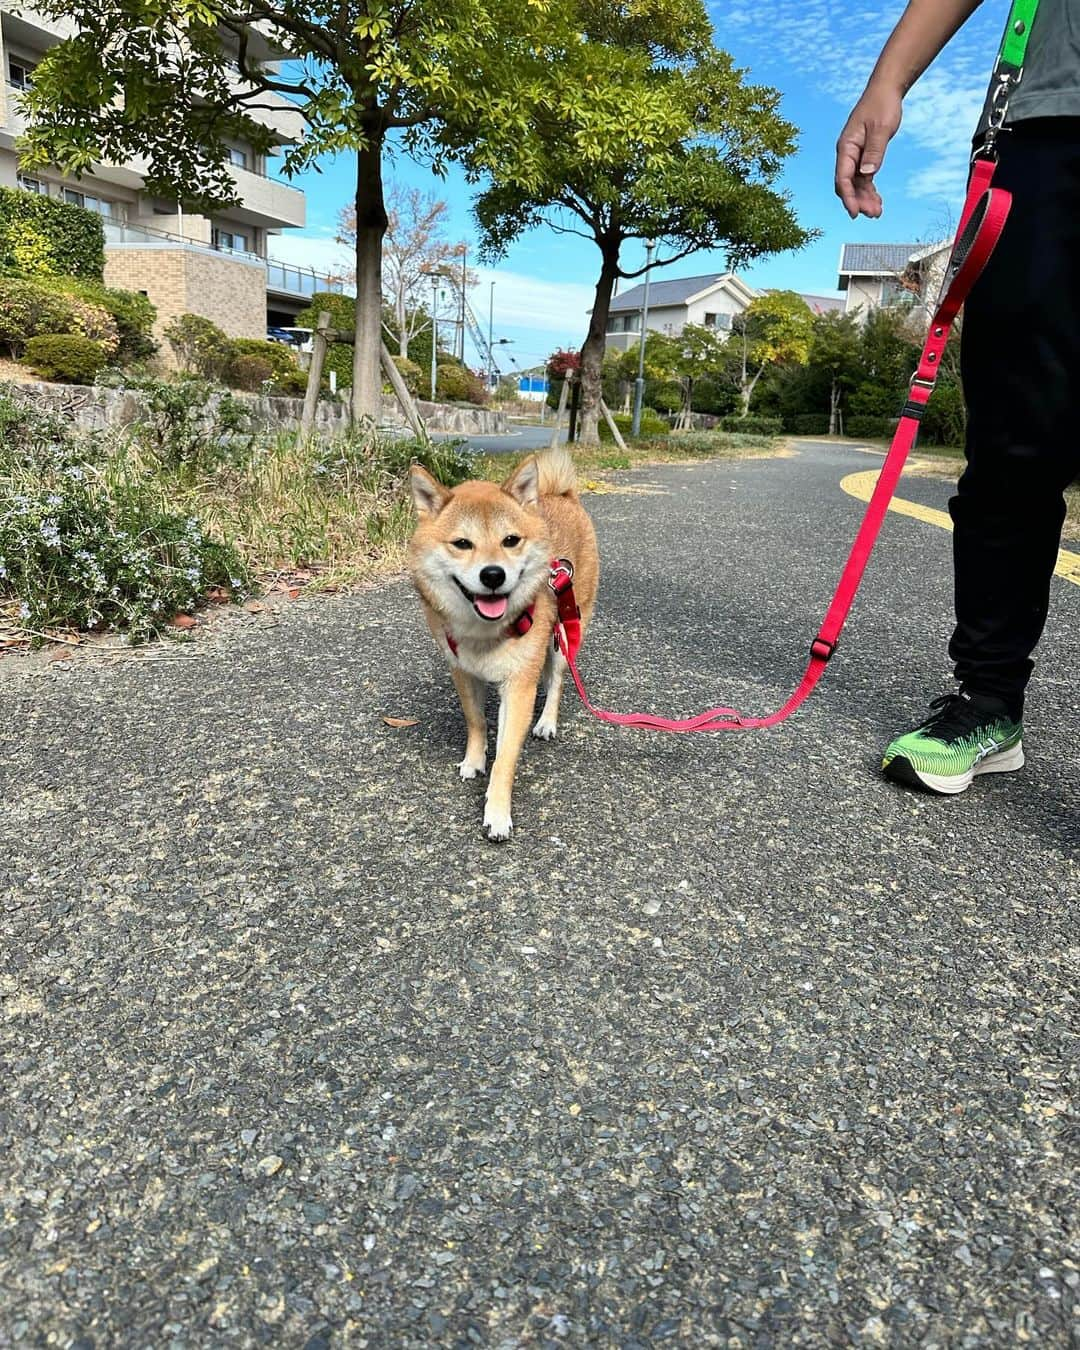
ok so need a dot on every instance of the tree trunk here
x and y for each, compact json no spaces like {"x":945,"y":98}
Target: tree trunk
{"x":592,"y":353}
{"x":371,"y":222}
{"x":834,"y":404}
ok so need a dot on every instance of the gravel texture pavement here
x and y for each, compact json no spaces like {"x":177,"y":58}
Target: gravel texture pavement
{"x":734,"y":1044}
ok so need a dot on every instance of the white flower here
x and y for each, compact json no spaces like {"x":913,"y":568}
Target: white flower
{"x":24,"y":610}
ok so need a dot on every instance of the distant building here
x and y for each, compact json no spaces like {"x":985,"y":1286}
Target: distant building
{"x":890,"y":276}
{"x":710,"y":302}
{"x":219,"y":266}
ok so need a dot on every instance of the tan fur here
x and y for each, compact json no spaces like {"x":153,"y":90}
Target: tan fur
{"x":539,"y":504}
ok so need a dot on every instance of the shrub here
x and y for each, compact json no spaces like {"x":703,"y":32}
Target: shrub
{"x":807,"y":424}
{"x":652,"y":424}
{"x":65,"y":356}
{"x":411,"y":373}
{"x":187,"y":423}
{"x":945,"y":419}
{"x":370,"y":462}
{"x":42,"y":236}
{"x":88,"y":540}
{"x":869,"y":428}
{"x":200,"y":345}
{"x":342,"y":311}
{"x":455,"y":383}
{"x":251,"y":373}
{"x":132,"y":313}
{"x":27,"y":309}
{"x":753,"y":426}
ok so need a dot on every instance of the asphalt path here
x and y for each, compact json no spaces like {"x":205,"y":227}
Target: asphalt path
{"x":733,"y":1044}
{"x":520,"y":440}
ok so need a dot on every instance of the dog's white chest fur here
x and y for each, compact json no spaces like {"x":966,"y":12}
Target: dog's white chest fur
{"x":495,"y":662}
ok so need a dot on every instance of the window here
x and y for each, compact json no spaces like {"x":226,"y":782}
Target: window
{"x":88,"y":202}
{"x":724,"y":321}
{"x":230,"y":241}
{"x":33,"y":185}
{"x":239,"y":158}
{"x":20,"y":74}
{"x":710,"y":320}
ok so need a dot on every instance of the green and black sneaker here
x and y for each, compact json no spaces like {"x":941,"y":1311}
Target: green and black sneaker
{"x":965,"y":734}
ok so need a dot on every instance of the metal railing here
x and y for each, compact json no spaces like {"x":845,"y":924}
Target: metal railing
{"x":280,"y":276}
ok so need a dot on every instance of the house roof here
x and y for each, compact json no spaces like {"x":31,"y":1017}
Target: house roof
{"x":876,"y":259}
{"x":818,"y":304}
{"x":677,"y":291}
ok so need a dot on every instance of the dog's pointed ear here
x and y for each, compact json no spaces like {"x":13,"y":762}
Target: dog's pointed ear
{"x":428,"y":494}
{"x":524,"y":483}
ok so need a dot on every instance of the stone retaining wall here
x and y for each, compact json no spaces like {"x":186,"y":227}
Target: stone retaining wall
{"x":95,"y":409}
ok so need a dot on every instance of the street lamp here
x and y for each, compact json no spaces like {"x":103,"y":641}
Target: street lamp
{"x":639,"y":383}
{"x":436,"y":277}
{"x":491,"y":329}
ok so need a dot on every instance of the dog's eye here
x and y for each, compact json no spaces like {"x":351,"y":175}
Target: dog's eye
{"x":512,"y":541}
{"x":462,"y":544}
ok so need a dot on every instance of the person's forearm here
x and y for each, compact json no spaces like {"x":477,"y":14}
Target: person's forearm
{"x":924,"y":29}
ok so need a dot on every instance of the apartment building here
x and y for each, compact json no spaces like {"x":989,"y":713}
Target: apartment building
{"x":220,"y":266}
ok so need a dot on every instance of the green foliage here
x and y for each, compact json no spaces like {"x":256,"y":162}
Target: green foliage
{"x":250,"y":373}
{"x":807,"y":424}
{"x":945,"y":419}
{"x":455,"y":383}
{"x":342,"y":311}
{"x":752,"y":425}
{"x":88,"y":540}
{"x":42,"y":236}
{"x":132,"y":315}
{"x":188,"y":424}
{"x":200,"y":345}
{"x":28,"y":309}
{"x":65,"y":356}
{"x":869,"y":428}
{"x":411,"y":373}
{"x":652,"y":424}
{"x":363,"y":462}
{"x":256,"y":361}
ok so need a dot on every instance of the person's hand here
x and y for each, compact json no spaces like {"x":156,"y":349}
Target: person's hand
{"x":860,"y":151}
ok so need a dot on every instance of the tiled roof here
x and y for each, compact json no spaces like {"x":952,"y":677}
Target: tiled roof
{"x":876,"y":258}
{"x":674,"y":292}
{"x":823,"y":304}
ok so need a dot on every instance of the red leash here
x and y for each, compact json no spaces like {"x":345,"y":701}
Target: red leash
{"x":985,"y":212}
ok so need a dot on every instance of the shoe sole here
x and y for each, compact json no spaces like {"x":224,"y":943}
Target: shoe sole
{"x":901,"y":770}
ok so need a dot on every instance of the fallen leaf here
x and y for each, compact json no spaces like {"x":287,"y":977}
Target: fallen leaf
{"x":182,"y":621}
{"x":254,"y":606}
{"x":218,"y":596}
{"x":60,"y":654}
{"x":402,"y":721}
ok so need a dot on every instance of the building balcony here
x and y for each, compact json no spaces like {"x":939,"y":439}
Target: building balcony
{"x":282,"y":279}
{"x":265,"y":201}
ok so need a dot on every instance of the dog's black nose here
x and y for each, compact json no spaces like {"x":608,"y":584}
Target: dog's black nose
{"x":492,"y":577}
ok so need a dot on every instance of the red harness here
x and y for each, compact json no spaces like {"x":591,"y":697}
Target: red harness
{"x":985,"y":212}
{"x":560,"y":579}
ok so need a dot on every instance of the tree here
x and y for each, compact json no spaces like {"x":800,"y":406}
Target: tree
{"x":834,"y":349}
{"x":173,"y":81}
{"x":648,"y":133}
{"x":773,"y":330}
{"x":413,"y":245}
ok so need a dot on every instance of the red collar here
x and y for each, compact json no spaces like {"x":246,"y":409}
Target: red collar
{"x":561,"y":581}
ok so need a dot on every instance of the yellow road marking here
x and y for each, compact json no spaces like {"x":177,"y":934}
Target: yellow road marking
{"x":861,"y":486}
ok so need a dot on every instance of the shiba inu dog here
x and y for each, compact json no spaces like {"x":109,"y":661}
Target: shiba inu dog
{"x":480,"y":560}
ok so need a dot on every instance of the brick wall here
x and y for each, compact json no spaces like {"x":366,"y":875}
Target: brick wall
{"x":228,"y":291}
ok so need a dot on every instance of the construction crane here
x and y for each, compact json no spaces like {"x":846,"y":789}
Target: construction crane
{"x":472,"y":325}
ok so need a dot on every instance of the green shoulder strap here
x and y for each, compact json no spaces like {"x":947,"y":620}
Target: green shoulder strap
{"x":1017,"y":32}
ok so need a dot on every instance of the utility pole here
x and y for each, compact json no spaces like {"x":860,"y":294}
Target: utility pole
{"x":639,"y":383}
{"x":464,"y":278}
{"x":435,"y":278}
{"x":491,"y":335}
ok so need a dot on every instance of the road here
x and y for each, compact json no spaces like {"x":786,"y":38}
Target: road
{"x":734,"y":1044}
{"x":519,"y":441}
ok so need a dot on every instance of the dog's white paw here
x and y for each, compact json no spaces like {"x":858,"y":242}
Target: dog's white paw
{"x":469,"y":769}
{"x":497,"y":825}
{"x":545,"y":728}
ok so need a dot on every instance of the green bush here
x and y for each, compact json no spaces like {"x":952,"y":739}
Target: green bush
{"x":455,"y":383}
{"x":43,"y":236}
{"x":807,"y":424}
{"x":371,"y":462}
{"x":250,"y":373}
{"x":201,"y":347}
{"x":65,"y":356}
{"x":187,"y":424}
{"x":652,"y":424}
{"x":87,"y":540}
{"x":753,"y":425}
{"x":132,"y":313}
{"x":29,"y":309}
{"x":411,"y":373}
{"x":869,"y":428}
{"x":945,"y":419}
{"x":342,"y":311}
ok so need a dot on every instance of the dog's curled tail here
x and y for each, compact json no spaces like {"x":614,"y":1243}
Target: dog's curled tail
{"x":558,"y":477}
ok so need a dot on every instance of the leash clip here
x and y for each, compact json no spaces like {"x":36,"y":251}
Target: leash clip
{"x":822,"y":648}
{"x":561,"y":574}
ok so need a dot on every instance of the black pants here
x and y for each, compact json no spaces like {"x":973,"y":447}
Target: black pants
{"x":1020,"y":357}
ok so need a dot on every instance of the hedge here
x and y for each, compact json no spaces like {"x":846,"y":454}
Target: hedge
{"x":807,"y":424}
{"x":652,"y":424}
{"x":65,"y":356}
{"x":870,"y":428}
{"x":753,"y":426}
{"x":30,"y":309}
{"x":132,"y":313}
{"x":45,"y":237}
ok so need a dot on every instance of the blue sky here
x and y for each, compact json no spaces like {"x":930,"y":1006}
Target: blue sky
{"x":818,"y":53}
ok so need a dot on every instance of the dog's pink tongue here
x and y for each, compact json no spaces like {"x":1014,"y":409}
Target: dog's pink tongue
{"x":492,"y":606}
